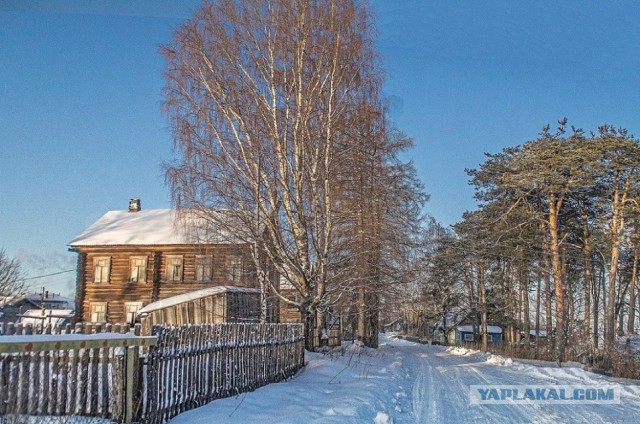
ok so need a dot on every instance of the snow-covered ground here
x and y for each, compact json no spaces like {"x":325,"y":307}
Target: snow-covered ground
{"x":405,"y":382}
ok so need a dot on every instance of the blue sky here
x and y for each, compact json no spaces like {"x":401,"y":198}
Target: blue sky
{"x":81,"y":130}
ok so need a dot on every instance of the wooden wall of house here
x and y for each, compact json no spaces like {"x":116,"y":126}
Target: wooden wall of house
{"x":120,"y":289}
{"x":289,"y":313}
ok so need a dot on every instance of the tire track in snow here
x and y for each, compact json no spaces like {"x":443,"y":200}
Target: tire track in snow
{"x":440,"y":391}
{"x":418,"y":394}
{"x":433,"y":399}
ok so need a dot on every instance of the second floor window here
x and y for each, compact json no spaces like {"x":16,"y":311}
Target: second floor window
{"x":101,"y":269}
{"x":138,"y":269}
{"x":234,"y":268}
{"x":203,"y":267}
{"x":174,"y":268}
{"x":285,"y":283}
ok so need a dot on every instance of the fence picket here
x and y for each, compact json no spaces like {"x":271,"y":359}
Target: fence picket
{"x":63,"y":375}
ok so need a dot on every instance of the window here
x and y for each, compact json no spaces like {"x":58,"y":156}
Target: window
{"x":139,"y":269}
{"x":130,"y":309}
{"x":489,"y":338}
{"x":174,"y":268}
{"x":203,"y":267}
{"x":101,"y":268}
{"x":468,"y":337}
{"x":98,"y":312}
{"x":285,"y":284}
{"x":234,"y":268}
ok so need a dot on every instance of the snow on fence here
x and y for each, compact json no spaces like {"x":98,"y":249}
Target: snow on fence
{"x":195,"y":364}
{"x":69,"y":375}
{"x":124,"y":377}
{"x":21,"y":329}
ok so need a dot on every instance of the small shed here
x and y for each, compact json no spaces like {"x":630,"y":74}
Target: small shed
{"x":533,"y":337}
{"x":211,"y":305}
{"x":464,"y":334}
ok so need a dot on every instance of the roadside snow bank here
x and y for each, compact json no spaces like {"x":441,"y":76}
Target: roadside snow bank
{"x":406,"y":383}
{"x":460,"y":351}
{"x":382,"y":418}
{"x":489,"y":357}
{"x":348,"y":384}
{"x":499,"y":360}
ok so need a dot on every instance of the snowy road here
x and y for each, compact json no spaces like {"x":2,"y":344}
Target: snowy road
{"x":440,"y":392}
{"x":404,"y":382}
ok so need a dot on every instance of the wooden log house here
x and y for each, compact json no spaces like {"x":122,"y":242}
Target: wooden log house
{"x":131,"y":258}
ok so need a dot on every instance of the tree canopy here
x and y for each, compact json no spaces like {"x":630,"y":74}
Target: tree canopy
{"x":277,"y":115}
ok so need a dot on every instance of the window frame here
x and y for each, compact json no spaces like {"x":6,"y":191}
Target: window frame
{"x":234,"y":263}
{"x":285,"y":284}
{"x":92,"y":312}
{"x":171,"y":269}
{"x":139,"y":306}
{"x":204,"y":267}
{"x":137,"y":279}
{"x":103,"y":268}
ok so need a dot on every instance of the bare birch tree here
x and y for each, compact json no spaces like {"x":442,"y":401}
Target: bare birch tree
{"x":262,"y":96}
{"x":11,"y":278}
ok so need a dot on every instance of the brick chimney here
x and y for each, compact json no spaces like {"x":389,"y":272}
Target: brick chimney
{"x":134,"y":205}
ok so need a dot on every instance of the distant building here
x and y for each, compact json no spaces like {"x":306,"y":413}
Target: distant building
{"x":12,"y":309}
{"x":462,"y":334}
{"x":46,"y":317}
{"x":459,"y":327}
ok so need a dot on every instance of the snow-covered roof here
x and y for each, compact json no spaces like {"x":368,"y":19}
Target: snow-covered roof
{"x":150,"y":228}
{"x":541,"y":333}
{"x":186,"y":297}
{"x":490,"y":329}
{"x":36,"y":299}
{"x":53,"y":316}
{"x":452,"y":318}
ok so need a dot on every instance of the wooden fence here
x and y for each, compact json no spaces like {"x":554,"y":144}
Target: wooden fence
{"x":123,"y":377}
{"x":69,"y":375}
{"x":193,"y":365}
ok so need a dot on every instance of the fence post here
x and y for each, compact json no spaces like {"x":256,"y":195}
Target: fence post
{"x":130,"y":372}
{"x":131,"y":377}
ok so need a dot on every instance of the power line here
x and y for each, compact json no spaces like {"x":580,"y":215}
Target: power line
{"x":48,"y":275}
